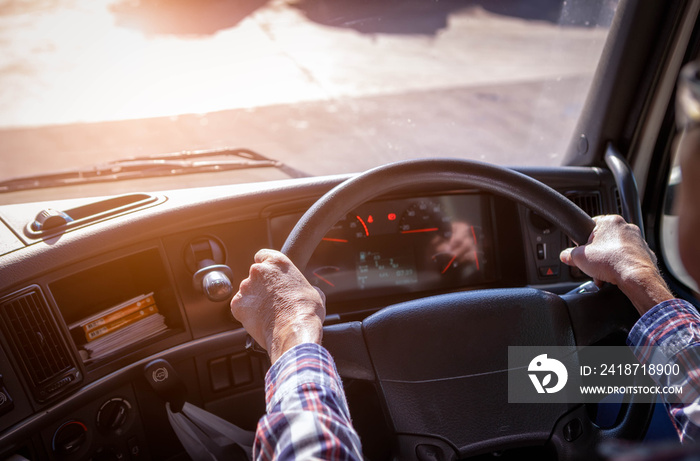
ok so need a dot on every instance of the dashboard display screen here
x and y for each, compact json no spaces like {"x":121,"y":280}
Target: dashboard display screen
{"x":403,"y":245}
{"x":375,"y":270}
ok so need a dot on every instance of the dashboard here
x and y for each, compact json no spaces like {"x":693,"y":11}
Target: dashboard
{"x":414,"y":242}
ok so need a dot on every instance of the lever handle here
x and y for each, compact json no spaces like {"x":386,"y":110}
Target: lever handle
{"x":166,"y":382}
{"x":215,"y":282}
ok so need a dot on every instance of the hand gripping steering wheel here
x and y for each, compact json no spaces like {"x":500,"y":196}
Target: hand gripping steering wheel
{"x":440,"y":363}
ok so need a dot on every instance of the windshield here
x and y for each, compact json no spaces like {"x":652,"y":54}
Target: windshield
{"x":323,"y":86}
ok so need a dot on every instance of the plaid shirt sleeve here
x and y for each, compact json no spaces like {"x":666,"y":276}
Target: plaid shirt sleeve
{"x":672,"y":328}
{"x":307,"y":414}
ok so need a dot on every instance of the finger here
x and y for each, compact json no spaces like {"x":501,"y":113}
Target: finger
{"x":263,"y":255}
{"x":575,"y":257}
{"x":565,"y":256}
{"x":236,"y":304}
{"x":244,"y":307}
{"x":238,"y":298}
{"x":244,"y":286}
{"x":591,"y":237}
{"x":322,"y":294}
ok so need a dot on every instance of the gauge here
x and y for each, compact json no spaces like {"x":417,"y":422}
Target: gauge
{"x":462,"y":252}
{"x":446,"y":261}
{"x":332,"y":278}
{"x":325,"y":276}
{"x":425,"y":218}
{"x":350,"y":228}
{"x":358,"y":226}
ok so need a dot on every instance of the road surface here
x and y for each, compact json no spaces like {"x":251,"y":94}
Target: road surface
{"x":322,"y":86}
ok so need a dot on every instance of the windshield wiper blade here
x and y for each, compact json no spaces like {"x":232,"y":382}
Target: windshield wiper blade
{"x":170,"y":164}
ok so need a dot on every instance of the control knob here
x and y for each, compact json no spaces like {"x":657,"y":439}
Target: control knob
{"x":215,"y":282}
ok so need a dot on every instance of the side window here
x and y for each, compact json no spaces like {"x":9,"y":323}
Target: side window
{"x":669,"y":231}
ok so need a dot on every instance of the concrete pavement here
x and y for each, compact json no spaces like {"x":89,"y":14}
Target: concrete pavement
{"x":83,"y":81}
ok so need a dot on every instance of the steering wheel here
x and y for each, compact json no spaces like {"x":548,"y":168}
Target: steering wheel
{"x":440,"y":363}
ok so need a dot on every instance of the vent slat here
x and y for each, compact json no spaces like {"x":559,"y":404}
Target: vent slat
{"x":33,"y":349}
{"x":589,"y":202}
{"x":618,"y":201}
{"x":37,"y":343}
{"x":55,"y":362}
{"x":38,"y":350}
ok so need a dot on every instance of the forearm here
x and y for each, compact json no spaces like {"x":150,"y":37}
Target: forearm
{"x":307,"y":415}
{"x":645,"y":288}
{"x":296,"y":332}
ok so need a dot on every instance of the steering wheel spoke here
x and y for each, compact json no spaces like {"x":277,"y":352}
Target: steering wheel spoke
{"x":601,"y":316}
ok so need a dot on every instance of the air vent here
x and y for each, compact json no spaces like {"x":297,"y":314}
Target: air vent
{"x":618,"y":201}
{"x":37,"y":344}
{"x":588,"y":201}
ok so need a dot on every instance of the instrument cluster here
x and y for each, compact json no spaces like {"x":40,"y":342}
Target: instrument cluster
{"x":406,"y":245}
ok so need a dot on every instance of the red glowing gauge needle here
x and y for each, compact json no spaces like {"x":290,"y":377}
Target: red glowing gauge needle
{"x":324,"y":280}
{"x":415,"y":231}
{"x":326,"y":239}
{"x":363,"y":225}
{"x":476,"y":255}
{"x":449,"y":264}
{"x":326,"y":270}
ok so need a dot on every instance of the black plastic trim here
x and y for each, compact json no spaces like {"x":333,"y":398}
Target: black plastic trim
{"x":626,"y":186}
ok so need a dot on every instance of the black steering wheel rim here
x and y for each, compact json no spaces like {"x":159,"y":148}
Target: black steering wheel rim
{"x":454,"y":173}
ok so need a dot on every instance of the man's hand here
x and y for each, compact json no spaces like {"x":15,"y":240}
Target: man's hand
{"x":617,"y":253}
{"x":277,"y":305}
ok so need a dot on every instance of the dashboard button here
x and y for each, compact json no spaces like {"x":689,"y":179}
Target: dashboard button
{"x":541,"y":251}
{"x":219,"y":375}
{"x":549,"y":271}
{"x":242,"y":373}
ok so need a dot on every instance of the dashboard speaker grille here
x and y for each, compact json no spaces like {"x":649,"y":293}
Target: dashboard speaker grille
{"x":37,"y":343}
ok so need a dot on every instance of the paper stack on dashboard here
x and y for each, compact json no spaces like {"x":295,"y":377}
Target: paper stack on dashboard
{"x":140,"y":330}
{"x":119,"y":326}
{"x":119,"y":316}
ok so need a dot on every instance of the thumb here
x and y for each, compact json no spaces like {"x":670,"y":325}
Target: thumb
{"x":565,"y":256}
{"x":570,"y":256}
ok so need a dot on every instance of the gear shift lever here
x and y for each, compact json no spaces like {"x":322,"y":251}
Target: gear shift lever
{"x":165,"y":381}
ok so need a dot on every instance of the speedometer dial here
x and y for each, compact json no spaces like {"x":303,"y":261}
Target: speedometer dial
{"x":349,"y":228}
{"x":425,"y":218}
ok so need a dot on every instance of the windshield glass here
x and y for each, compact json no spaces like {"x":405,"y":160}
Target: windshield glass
{"x":323,"y":86}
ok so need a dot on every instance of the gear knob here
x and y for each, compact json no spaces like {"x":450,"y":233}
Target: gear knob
{"x":166,"y":382}
{"x":215,"y":282}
